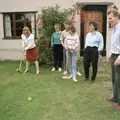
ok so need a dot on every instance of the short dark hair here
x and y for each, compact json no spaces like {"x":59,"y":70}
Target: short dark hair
{"x":94,"y":24}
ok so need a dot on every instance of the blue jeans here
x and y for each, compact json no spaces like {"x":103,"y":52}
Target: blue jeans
{"x":72,"y":63}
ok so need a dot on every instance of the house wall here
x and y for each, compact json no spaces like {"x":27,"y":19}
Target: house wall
{"x":31,"y":5}
{"x":10,"y":49}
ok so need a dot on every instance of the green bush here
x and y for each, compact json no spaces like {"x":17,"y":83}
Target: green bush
{"x":50,"y":16}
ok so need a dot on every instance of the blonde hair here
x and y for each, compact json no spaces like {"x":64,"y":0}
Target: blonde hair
{"x":114,"y":10}
{"x":26,"y":28}
{"x":57,"y":24}
{"x":113,"y":7}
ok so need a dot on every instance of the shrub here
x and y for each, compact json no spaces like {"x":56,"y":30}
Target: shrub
{"x":50,"y":16}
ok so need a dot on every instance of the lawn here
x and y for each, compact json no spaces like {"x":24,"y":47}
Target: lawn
{"x":52,"y":97}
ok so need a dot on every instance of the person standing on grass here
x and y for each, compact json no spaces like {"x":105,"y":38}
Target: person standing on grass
{"x":71,"y":45}
{"x":57,"y":48}
{"x":93,"y":45}
{"x":113,"y":19}
{"x":64,"y":34}
{"x":30,"y":52}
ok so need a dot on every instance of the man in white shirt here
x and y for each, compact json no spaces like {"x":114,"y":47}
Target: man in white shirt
{"x":113,"y":19}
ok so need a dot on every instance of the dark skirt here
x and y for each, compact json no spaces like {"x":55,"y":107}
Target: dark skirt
{"x":31,"y":55}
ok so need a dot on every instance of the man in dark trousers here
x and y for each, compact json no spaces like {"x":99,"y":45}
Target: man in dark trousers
{"x":113,"y":19}
{"x":93,"y":45}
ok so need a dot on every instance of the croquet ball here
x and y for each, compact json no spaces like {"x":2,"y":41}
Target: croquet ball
{"x":29,"y":98}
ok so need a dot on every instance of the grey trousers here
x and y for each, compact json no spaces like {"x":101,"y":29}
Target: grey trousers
{"x":65,"y":59}
{"x":72,"y":63}
{"x":115,"y":78}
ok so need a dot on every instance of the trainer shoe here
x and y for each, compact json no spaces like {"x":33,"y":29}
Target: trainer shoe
{"x":75,"y":80}
{"x":79,"y":74}
{"x":59,"y":69}
{"x":65,"y":73}
{"x":53,"y":69}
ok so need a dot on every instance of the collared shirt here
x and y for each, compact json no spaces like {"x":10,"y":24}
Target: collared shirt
{"x":64,"y":34}
{"x":94,"y":40}
{"x":28,"y":42}
{"x":55,"y":38}
{"x":115,"y":42}
{"x":72,"y":42}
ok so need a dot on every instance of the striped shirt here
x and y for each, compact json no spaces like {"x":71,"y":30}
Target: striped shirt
{"x":94,"y":40}
{"x":115,"y":43}
{"x":72,"y":42}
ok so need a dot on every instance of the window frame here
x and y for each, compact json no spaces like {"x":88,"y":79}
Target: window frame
{"x":13,"y":14}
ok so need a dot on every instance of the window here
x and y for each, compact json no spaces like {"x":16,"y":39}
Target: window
{"x":14,"y":22}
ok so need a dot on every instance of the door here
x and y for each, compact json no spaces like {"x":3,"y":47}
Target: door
{"x":86,"y":17}
{"x":95,"y":16}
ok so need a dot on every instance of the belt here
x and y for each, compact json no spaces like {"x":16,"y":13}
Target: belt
{"x":91,"y":47}
{"x":113,"y":54}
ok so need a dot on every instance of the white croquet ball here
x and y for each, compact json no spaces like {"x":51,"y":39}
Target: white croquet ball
{"x":29,"y":98}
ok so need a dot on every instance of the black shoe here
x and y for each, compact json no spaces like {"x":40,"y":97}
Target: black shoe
{"x":93,"y":79}
{"x":18,"y":70}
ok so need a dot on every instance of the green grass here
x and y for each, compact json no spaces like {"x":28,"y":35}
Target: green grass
{"x":52,"y":97}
